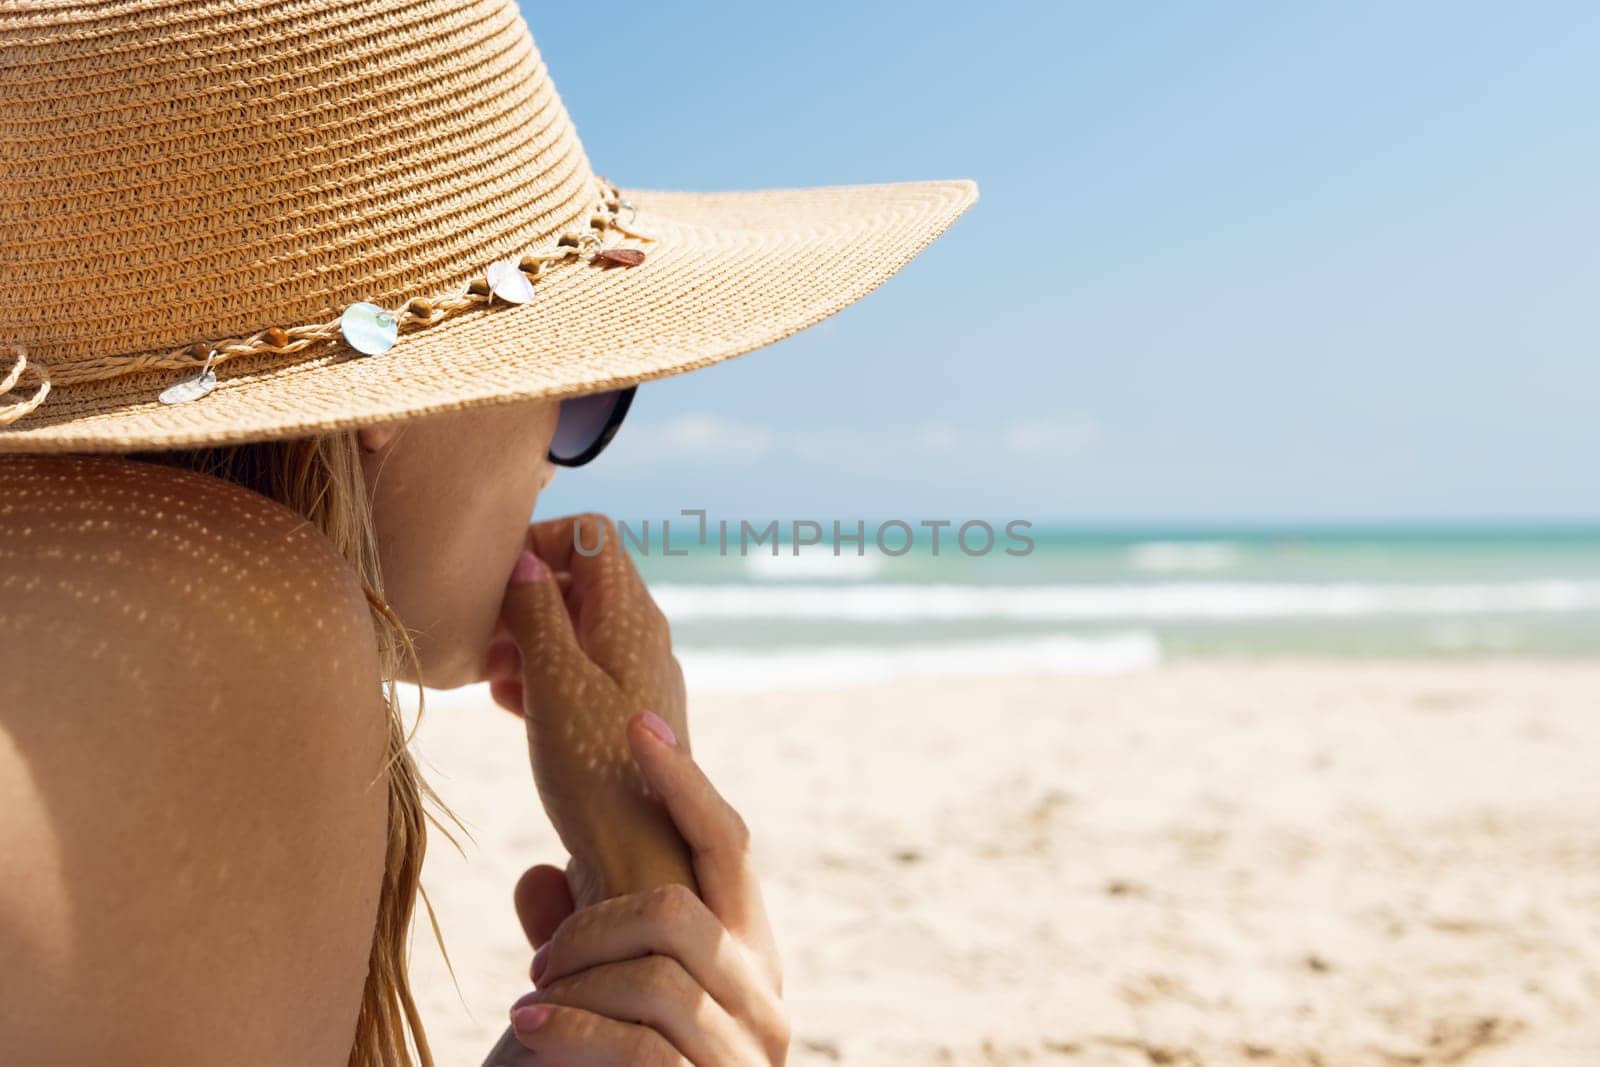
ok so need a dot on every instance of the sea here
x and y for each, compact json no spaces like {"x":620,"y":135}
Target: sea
{"x":1105,"y":601}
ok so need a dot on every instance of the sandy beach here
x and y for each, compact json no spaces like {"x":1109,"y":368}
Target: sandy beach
{"x":1212,"y":862}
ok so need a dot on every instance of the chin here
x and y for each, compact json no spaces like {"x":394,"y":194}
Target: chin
{"x":443,"y":667}
{"x":452,"y":673}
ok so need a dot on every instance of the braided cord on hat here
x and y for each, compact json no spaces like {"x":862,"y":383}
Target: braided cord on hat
{"x":16,"y":409}
{"x":606,"y":216}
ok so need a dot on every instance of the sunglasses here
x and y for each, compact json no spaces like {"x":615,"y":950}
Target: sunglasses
{"x":586,"y":424}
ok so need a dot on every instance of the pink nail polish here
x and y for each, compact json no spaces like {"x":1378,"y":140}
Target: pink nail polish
{"x":541,"y":960}
{"x":527,"y":1020}
{"x":658,"y":726}
{"x":529,"y":568}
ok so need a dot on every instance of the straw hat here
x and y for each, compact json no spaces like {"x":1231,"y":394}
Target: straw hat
{"x":296,"y":218}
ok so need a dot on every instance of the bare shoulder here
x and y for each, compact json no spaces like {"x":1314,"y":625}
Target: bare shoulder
{"x":195,"y":735}
{"x":157,"y":584}
{"x":71,"y":521}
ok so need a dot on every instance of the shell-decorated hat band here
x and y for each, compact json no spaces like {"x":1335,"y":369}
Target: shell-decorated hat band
{"x":370,"y":329}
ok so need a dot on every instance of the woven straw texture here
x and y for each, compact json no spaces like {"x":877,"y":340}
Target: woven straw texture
{"x":174,"y":173}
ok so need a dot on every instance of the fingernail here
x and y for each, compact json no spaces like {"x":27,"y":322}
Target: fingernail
{"x":526,"y":1020}
{"x":541,"y":960}
{"x":529,"y":568}
{"x":526,"y":999}
{"x":658,"y":726}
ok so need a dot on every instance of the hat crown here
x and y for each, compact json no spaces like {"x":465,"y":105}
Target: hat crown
{"x":172,"y":174}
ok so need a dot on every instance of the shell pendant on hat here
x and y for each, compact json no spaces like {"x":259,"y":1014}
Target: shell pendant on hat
{"x":192,"y":388}
{"x":371,"y":329}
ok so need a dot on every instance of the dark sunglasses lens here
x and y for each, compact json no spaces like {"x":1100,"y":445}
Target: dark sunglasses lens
{"x":581,"y":422}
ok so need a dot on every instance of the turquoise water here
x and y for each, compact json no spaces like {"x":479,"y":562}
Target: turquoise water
{"x":1106,"y":600}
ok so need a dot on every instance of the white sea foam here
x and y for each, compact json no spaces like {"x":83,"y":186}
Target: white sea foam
{"x":882,"y":602}
{"x":814,"y":567}
{"x":1164,"y":556}
{"x":714,"y":670}
{"x":729,"y":670}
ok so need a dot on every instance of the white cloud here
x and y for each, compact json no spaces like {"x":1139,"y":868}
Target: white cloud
{"x":723,"y":442}
{"x":940,"y":438}
{"x":702,"y":437}
{"x":1062,"y":436}
{"x":835,"y":443}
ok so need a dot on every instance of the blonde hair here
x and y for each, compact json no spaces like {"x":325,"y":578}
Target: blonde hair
{"x":321,"y":478}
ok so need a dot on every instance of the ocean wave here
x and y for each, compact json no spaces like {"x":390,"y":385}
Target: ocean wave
{"x":713,"y":670}
{"x":881,"y":602}
{"x":815,"y":567}
{"x":1163,"y":556}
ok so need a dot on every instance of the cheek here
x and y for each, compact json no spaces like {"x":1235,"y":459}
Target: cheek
{"x":522,"y":460}
{"x":486,"y":540}
{"x":453,"y":512}
{"x":549,"y":413}
{"x":508,"y":479}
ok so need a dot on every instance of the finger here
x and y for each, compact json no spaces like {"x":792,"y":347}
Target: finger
{"x":587,"y":889}
{"x":554,"y":667}
{"x":508,"y":694}
{"x":670,"y":921}
{"x":575,"y":1037}
{"x":612,"y":611}
{"x":717,"y":836}
{"x":658,"y":993}
{"x":502,"y":668}
{"x":577,"y":544}
{"x":503,"y":671}
{"x":504,"y":659}
{"x":543,"y":901}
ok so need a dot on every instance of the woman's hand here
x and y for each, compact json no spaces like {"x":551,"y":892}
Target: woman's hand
{"x":660,"y":976}
{"x":610,"y":611}
{"x":645,"y":971}
{"x":588,"y":648}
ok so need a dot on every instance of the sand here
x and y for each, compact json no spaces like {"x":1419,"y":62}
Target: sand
{"x":1205,"y":863}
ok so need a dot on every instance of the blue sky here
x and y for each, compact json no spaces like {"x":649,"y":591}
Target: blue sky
{"x":1232,"y":262}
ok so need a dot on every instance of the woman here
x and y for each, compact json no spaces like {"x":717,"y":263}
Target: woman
{"x":299,"y":311}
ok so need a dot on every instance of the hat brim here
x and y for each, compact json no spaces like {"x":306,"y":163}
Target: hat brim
{"x":725,"y":274}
